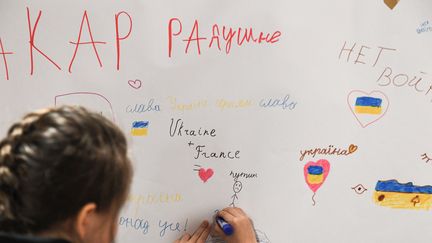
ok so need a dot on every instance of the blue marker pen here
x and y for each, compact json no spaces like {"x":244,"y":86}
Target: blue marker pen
{"x":227,"y":228}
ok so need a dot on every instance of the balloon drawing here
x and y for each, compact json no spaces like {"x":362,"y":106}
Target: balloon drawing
{"x":315,"y":174}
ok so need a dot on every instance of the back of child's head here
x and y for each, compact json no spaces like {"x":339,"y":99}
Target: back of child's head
{"x":53,"y":162}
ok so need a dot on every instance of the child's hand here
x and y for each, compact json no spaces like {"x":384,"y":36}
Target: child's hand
{"x":200,"y":235}
{"x":243,"y":227}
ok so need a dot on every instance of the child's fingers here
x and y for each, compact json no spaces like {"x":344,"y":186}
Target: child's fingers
{"x":227,"y":215}
{"x":204,"y":225}
{"x":203,"y":237}
{"x":217,"y":231}
{"x":183,"y":239}
{"x":235,"y":211}
{"x":239,"y":211}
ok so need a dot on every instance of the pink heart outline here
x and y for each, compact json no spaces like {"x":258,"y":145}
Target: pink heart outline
{"x":370,"y":93}
{"x":205,"y":174}
{"x":136,"y":84}
{"x":326,"y":169}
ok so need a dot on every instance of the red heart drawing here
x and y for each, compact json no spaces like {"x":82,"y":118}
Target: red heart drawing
{"x":205,"y":174}
{"x":136,"y":84}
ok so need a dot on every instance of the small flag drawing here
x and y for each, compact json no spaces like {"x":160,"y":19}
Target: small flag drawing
{"x":315,"y":174}
{"x":139,"y":128}
{"x":368,"y":105}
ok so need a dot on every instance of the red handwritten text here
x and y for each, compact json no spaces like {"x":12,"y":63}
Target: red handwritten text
{"x":227,"y":35}
{"x":4,"y":53}
{"x":92,"y":42}
{"x":118,"y":38}
{"x":32,"y":32}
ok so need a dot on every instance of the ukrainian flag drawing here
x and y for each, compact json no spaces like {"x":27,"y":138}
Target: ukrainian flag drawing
{"x":315,"y":174}
{"x":140,"y":128}
{"x":368,"y":105}
{"x":393,"y":194}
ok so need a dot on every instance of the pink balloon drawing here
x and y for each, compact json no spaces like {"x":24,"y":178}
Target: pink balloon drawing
{"x":315,"y":175}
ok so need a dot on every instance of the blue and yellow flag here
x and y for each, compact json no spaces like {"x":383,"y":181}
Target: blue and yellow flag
{"x":368,"y":105}
{"x":140,"y":128}
{"x":393,"y":194}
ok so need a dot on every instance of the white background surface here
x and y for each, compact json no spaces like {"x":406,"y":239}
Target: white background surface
{"x":304,"y":64}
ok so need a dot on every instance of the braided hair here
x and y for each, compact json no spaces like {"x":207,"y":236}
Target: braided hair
{"x":54,"y":161}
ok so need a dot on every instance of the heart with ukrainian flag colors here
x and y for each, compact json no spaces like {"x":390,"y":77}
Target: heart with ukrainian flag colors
{"x":368,"y":107}
{"x":316,"y":173}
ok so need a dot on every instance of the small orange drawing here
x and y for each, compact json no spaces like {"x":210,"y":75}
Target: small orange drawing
{"x":391,"y":3}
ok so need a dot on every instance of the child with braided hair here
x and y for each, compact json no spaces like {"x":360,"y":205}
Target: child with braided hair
{"x":64,"y":176}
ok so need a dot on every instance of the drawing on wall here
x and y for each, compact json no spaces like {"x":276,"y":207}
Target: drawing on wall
{"x":393,"y":194}
{"x":424,"y":27}
{"x":94,"y":101}
{"x":315,"y":174}
{"x":204,"y":174}
{"x":136,"y":84}
{"x":261,"y":237}
{"x":425,"y":157}
{"x":391,"y":3}
{"x":330,"y":150}
{"x":367,"y":108}
{"x":214,"y":239}
{"x":237,"y":187}
{"x":140,"y":128}
{"x":359,"y":189}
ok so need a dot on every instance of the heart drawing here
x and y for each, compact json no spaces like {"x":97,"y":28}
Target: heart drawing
{"x":366,"y":107}
{"x":316,"y":173}
{"x":391,"y":3}
{"x":205,"y":174}
{"x":352,"y":148}
{"x":136,"y":84}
